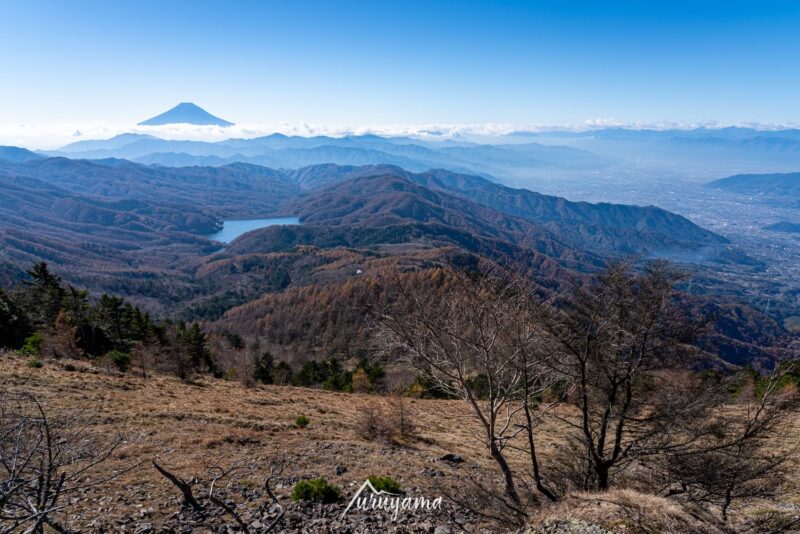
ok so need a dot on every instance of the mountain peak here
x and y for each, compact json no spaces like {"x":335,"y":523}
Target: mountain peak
{"x":186,"y":113}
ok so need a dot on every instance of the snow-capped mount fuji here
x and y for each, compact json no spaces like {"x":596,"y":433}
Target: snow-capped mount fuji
{"x":186,"y":113}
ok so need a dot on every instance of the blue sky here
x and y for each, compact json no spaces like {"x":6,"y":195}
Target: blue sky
{"x":407,"y":62}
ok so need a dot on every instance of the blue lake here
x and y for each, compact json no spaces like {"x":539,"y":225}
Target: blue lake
{"x":234,"y":228}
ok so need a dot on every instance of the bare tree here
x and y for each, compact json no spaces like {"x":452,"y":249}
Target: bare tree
{"x":621,"y":348}
{"x":616,"y":339}
{"x":741,"y":450}
{"x":475,"y":337}
{"x":44,"y":459}
{"x":145,"y":356}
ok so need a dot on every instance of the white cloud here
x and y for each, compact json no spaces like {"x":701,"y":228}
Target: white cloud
{"x":52,"y":136}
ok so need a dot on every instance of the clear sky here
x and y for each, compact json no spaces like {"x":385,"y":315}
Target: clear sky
{"x":403,"y":62}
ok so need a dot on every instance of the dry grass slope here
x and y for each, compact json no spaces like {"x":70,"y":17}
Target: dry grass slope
{"x":188,"y":425}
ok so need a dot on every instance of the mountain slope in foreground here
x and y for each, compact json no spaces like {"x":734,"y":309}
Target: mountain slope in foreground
{"x":186,"y":425}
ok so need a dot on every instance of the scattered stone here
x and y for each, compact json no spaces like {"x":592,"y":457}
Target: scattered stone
{"x":428,"y":472}
{"x":340,"y":470}
{"x":569,"y":526}
{"x":301,"y":517}
{"x":290,"y":481}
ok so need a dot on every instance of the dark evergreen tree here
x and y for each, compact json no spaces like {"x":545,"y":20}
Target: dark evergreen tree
{"x":43,"y":295}
{"x":263,"y":371}
{"x":15,"y":325}
{"x":194,"y":343}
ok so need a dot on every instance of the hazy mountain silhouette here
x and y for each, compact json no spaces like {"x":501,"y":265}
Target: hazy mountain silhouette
{"x":787,"y":184}
{"x":723,"y":150}
{"x":17,"y":154}
{"x":186,"y":113}
{"x":783,"y":188}
{"x":116,"y":142}
{"x":294,"y":152}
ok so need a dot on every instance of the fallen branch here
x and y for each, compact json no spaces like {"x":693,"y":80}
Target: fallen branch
{"x":186,"y":489}
{"x":276,"y":468}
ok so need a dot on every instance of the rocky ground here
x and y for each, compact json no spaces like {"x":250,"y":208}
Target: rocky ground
{"x":297,"y":517}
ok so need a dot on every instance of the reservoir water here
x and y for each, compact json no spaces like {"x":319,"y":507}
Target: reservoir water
{"x":234,"y":228}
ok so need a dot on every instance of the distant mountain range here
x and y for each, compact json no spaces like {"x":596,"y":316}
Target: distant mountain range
{"x":773,"y":188}
{"x":723,"y":150}
{"x":186,"y":113}
{"x":104,"y":195}
{"x":522,"y":158}
{"x":293,"y":152}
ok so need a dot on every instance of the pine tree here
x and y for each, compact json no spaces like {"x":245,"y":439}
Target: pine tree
{"x":43,"y":295}
{"x":15,"y":325}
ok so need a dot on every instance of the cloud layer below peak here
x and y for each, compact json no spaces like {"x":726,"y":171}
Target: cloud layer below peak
{"x":53,"y":136}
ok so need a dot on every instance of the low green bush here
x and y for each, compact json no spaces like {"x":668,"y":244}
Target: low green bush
{"x":316,"y":490}
{"x":122,"y":360}
{"x":36,"y":363}
{"x":33,"y":344}
{"x":302,"y":421}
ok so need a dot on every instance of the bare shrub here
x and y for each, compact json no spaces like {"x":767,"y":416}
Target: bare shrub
{"x":568,"y":465}
{"x":741,"y":451}
{"x":360,"y":381}
{"x":145,"y":356}
{"x":374,"y":424}
{"x":45,"y":458}
{"x":404,"y":418}
{"x":391,"y":425}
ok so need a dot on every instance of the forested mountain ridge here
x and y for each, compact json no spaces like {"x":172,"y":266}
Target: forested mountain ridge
{"x":241,"y":190}
{"x":234,"y":190}
{"x":139,"y":231}
{"x":600,"y":227}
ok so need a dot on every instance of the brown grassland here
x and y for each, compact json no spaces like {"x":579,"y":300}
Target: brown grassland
{"x":186,"y":425}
